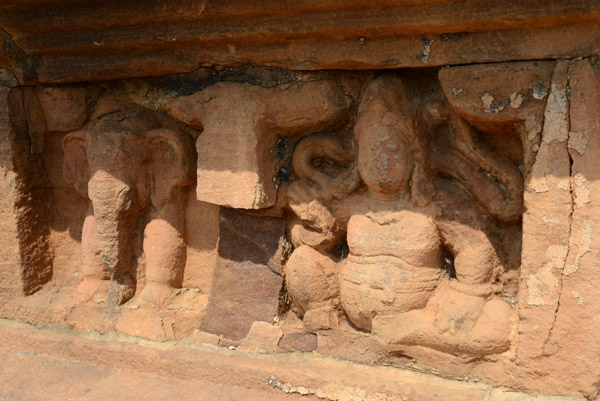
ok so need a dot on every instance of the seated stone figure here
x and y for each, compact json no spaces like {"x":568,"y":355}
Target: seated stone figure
{"x":407,"y":213}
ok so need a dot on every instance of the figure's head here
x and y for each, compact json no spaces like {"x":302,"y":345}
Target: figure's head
{"x":386,"y":136}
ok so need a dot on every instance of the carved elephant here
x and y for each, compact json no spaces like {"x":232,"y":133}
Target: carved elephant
{"x":133,"y":165}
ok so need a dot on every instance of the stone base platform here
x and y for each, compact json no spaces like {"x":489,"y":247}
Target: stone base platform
{"x":55,"y":363}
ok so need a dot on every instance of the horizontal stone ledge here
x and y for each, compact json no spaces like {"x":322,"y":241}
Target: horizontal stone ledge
{"x":59,"y":41}
{"x":351,"y":54}
{"x":42,"y":27}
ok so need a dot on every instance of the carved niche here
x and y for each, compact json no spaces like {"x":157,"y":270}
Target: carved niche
{"x":402,"y":224}
{"x":132,"y":165}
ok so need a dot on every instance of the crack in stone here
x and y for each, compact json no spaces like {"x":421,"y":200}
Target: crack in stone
{"x":162,"y":324}
{"x":571,"y":193}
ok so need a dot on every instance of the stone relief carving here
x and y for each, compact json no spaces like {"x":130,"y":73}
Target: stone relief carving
{"x":406,"y":190}
{"x":133,"y":165}
{"x":395,"y":216}
{"x":401,"y":195}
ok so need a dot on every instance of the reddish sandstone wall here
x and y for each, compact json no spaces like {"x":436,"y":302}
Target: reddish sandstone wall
{"x":278,"y":179}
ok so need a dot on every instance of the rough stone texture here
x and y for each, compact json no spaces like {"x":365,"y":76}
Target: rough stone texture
{"x":546,"y":226}
{"x":132,"y":166}
{"x":250,"y":131}
{"x":54,"y":42}
{"x":502,"y":97}
{"x":438,"y":219}
{"x":577,"y":315}
{"x":25,"y":200}
{"x":295,"y":336}
{"x":263,"y":337}
{"x":397,"y":224}
{"x":247,"y":276}
{"x":54,"y":365}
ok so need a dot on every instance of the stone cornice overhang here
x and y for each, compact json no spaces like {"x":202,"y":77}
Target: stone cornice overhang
{"x":52,"y":41}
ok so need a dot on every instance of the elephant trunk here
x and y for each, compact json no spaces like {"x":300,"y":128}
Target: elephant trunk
{"x":113,"y":202}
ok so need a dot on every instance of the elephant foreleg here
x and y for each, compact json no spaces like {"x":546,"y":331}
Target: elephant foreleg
{"x":95,"y":274}
{"x":165,"y":251}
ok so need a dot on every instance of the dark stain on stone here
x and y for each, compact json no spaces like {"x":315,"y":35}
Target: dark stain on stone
{"x":282,"y":148}
{"x":283,"y":174}
{"x":187,"y":84}
{"x":447,"y":37}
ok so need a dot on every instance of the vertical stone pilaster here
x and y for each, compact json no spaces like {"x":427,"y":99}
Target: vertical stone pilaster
{"x":574,"y":342}
{"x":25,"y":253}
{"x":546,"y":227}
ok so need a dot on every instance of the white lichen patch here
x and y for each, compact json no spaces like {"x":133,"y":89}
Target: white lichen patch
{"x":537,"y":181}
{"x":515,"y":100}
{"x":539,"y":91}
{"x":551,"y":220}
{"x":577,"y":141}
{"x":563,"y":184}
{"x":424,"y":55}
{"x":576,"y":295}
{"x":456,"y":91}
{"x":543,"y":285}
{"x":582,"y":192}
{"x":487,"y":100}
{"x":583,"y":244}
{"x":556,"y":123}
{"x":533,"y":127}
{"x":489,"y":105}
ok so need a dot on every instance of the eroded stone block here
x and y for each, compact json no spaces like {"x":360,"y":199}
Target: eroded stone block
{"x":25,"y":204}
{"x":546,"y":225}
{"x":573,"y":339}
{"x":247,"y":277}
{"x":238,"y":162}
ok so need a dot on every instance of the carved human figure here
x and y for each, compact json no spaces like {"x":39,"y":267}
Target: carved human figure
{"x":399,"y":223}
{"x":133,"y":165}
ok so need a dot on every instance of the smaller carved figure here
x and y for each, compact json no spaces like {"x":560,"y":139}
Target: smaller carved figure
{"x":380,"y":191}
{"x":133,"y":165}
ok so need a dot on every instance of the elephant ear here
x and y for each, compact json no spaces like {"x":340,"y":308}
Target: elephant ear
{"x":76,"y":170}
{"x":171,"y":162}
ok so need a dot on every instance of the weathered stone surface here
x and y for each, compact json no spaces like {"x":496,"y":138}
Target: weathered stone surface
{"x":247,"y":277}
{"x":502,"y":97}
{"x":133,"y":166}
{"x":577,"y":315}
{"x":48,"y":362}
{"x":25,"y":199}
{"x":54,"y":42}
{"x":295,"y":336}
{"x":64,"y":109}
{"x":263,"y":337}
{"x":300,"y":341}
{"x":238,"y":163}
{"x":396,"y":225}
{"x":441,"y":219}
{"x":546,"y":227}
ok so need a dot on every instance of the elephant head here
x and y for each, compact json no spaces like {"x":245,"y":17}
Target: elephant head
{"x":127,"y":162}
